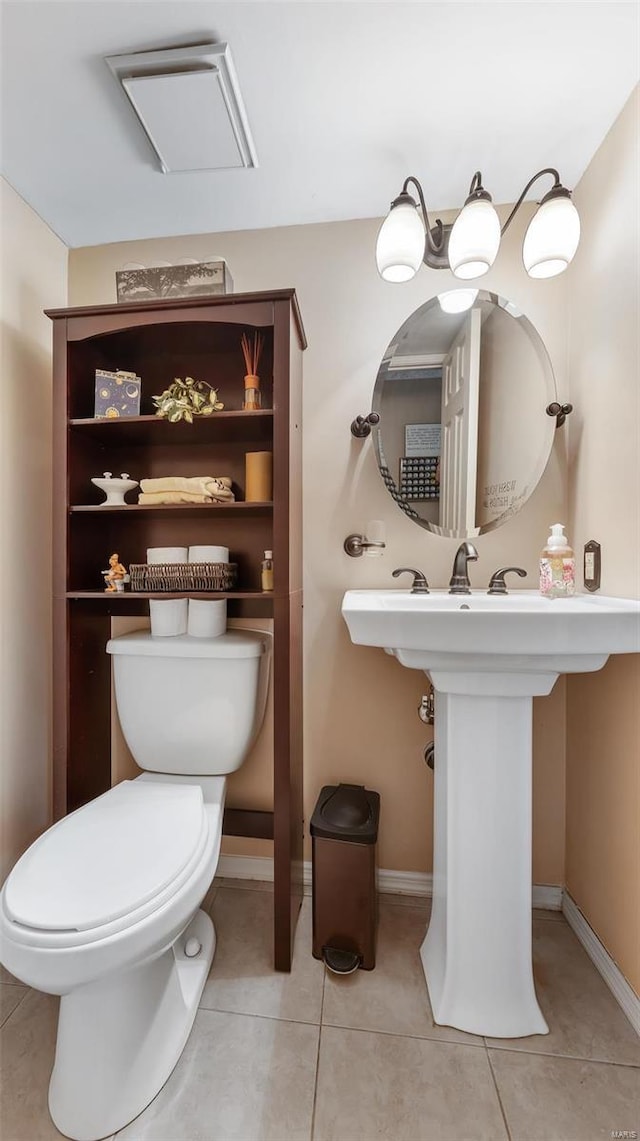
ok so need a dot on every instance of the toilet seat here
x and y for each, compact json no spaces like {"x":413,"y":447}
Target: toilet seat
{"x":107,"y":865}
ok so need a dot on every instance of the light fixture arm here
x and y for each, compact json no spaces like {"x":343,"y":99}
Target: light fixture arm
{"x":435,"y":245}
{"x":557,"y":186}
{"x":477,"y":190}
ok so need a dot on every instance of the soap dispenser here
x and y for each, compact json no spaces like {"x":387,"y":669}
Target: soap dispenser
{"x":557,"y":565}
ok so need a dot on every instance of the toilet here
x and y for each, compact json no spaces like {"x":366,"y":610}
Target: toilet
{"x":104,"y":908}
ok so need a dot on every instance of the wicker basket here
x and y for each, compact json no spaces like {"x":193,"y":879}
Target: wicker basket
{"x":175,"y":578}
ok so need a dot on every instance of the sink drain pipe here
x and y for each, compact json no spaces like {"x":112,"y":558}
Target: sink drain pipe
{"x":427,"y":714}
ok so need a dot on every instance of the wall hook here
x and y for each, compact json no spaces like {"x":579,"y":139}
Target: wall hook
{"x":560,"y":411}
{"x":361,"y":426}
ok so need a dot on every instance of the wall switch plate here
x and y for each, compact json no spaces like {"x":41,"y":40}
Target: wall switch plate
{"x":592,"y":565}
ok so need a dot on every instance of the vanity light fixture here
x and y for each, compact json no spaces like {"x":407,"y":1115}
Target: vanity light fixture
{"x":469,"y":247}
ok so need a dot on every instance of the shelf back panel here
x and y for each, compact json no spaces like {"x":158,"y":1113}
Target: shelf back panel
{"x":89,"y":753}
{"x":209,"y":351}
{"x":88,"y":458}
{"x":93,"y":537}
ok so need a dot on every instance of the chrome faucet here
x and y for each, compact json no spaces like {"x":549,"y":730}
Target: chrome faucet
{"x":459,"y":582}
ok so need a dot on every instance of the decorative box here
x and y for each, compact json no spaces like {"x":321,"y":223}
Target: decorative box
{"x":117,"y":394}
{"x":201,"y":279}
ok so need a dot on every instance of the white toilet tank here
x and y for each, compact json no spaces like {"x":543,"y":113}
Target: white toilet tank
{"x":191,"y":706}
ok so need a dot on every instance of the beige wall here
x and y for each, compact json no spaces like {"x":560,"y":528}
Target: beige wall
{"x":34,"y":275}
{"x":603,"y":726}
{"x":361,"y":722}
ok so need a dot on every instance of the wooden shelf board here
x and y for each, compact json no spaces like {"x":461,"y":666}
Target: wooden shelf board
{"x":248,"y":822}
{"x":186,"y":303}
{"x":231,"y":425}
{"x":162,"y":596}
{"x":248,"y":508}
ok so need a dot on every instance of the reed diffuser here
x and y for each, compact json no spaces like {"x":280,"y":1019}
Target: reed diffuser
{"x":252,"y":351}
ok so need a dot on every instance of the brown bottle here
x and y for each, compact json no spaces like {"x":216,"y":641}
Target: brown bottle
{"x":267,"y":571}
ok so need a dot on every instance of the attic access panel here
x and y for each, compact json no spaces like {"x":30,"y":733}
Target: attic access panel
{"x":189,"y":105}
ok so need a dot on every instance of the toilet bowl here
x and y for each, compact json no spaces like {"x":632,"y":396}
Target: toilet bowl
{"x":103,"y":909}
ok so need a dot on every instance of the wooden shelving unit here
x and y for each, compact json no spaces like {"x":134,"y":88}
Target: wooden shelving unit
{"x":122,"y":600}
{"x":228,"y":508}
{"x":227,"y":425}
{"x":161,"y":340}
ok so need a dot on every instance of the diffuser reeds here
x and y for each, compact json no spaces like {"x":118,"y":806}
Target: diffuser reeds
{"x":252,"y":351}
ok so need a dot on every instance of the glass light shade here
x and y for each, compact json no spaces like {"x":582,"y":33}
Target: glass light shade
{"x":552,"y":238}
{"x":400,"y":244}
{"x":457,"y":300}
{"x":475,"y":239}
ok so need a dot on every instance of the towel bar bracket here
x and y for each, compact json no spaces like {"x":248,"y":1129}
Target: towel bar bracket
{"x":362,"y":425}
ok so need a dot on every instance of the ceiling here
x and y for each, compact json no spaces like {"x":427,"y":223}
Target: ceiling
{"x":344,"y":100}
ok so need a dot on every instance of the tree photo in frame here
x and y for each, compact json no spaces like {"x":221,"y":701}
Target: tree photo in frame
{"x":199,"y":279}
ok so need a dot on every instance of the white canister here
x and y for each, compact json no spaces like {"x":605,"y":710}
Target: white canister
{"x":167,"y":554}
{"x":169,"y":618}
{"x":208,"y":554}
{"x":207,"y":619}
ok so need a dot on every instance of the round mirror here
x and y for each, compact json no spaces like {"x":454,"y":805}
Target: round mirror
{"x":462,"y":392}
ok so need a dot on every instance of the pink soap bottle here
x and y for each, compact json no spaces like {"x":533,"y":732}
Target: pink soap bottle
{"x":557,"y":566}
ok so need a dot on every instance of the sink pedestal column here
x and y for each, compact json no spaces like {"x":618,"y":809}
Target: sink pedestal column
{"x":477,"y":951}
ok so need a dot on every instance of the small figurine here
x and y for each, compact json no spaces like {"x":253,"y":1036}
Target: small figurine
{"x":116,"y":576}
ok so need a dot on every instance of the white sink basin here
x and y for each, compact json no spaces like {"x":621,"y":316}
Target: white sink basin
{"x":479,"y":631}
{"x":487,"y":656}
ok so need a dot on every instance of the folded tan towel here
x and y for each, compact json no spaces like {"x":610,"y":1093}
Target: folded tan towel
{"x":151,"y":497}
{"x":199,"y":484}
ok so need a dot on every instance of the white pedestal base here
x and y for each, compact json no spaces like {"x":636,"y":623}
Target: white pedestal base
{"x":477,"y":952}
{"x":120,"y":1038}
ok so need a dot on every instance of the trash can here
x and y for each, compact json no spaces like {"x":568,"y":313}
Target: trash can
{"x":344,"y":831}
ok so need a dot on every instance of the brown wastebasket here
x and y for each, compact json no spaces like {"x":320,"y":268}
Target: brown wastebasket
{"x":344,"y":830}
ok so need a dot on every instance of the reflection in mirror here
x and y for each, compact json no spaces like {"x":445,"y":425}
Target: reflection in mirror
{"x":461,"y":392}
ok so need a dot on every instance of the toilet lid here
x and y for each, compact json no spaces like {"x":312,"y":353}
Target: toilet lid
{"x":108,"y":858}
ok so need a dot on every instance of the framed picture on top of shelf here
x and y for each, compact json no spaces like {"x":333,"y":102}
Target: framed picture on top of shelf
{"x":191,"y":279}
{"x":117,"y":394}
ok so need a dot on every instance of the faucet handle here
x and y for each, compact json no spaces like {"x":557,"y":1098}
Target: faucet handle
{"x":497,"y":584}
{"x":420,"y":584}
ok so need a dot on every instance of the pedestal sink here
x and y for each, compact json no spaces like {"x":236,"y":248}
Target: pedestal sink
{"x":487,"y":657}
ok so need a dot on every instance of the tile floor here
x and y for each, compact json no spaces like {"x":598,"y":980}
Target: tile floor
{"x":307,"y":1055}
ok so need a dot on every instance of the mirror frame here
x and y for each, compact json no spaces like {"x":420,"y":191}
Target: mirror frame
{"x":545,"y":453}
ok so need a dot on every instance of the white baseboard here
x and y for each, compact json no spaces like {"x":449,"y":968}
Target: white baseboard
{"x":545,"y":896}
{"x":245,"y":867}
{"x":602,"y":961}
